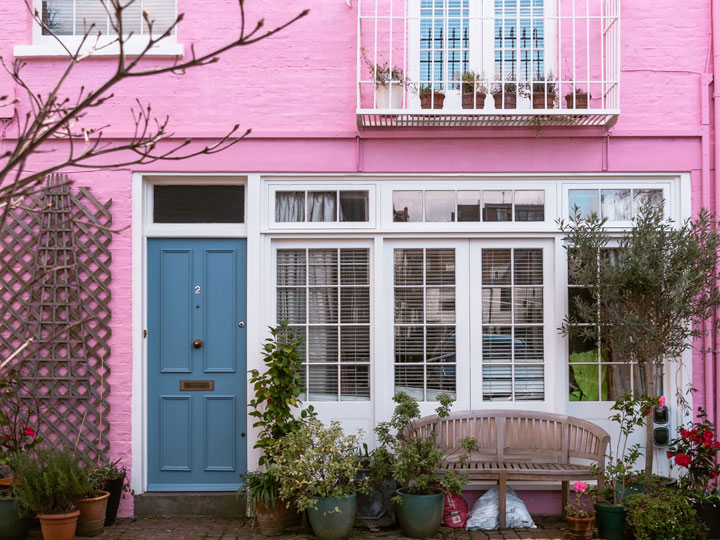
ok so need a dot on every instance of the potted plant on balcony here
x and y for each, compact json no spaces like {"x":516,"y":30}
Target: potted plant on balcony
{"x":431,"y":97}
{"x":505,"y":92}
{"x":473,"y":90}
{"x":50,"y":482}
{"x":543,"y":92}
{"x":578,"y":99}
{"x":390,"y":83}
{"x":318,"y":468}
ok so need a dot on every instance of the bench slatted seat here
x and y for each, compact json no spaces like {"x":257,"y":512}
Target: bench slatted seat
{"x":518,"y":446}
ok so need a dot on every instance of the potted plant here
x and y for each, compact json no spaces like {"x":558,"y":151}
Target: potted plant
{"x":262,"y":489}
{"x":390,"y":83}
{"x":13,"y":525}
{"x":374,"y":508}
{"x":50,"y":482}
{"x":506,"y":91}
{"x":695,"y":451}
{"x":113,"y":479}
{"x":93,"y":505}
{"x":543,"y":92}
{"x":473,"y":90}
{"x":431,"y":97}
{"x":578,"y":99}
{"x":661,"y":513}
{"x":318,"y":468}
{"x":580,"y":521}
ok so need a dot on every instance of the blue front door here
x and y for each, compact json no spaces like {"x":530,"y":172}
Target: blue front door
{"x":196,"y":364}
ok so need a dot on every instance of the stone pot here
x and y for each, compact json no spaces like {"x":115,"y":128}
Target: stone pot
{"x":92,"y":514}
{"x":420,"y":515}
{"x":329,"y":524}
{"x":59,"y":526}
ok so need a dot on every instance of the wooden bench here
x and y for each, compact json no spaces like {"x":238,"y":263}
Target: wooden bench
{"x":518,"y":446}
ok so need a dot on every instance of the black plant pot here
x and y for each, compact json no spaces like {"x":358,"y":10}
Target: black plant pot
{"x":375,"y":508}
{"x":709,"y":515}
{"x":114,"y":487}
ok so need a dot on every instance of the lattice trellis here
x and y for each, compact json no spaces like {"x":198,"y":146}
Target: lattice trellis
{"x":55,"y":288}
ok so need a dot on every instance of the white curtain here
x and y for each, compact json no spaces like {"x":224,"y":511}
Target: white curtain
{"x":322,"y":206}
{"x":289,"y":206}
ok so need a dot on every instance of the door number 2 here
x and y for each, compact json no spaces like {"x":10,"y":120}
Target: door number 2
{"x":196,"y":289}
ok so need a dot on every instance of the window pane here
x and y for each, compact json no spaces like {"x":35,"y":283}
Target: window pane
{"x":289,"y":206}
{"x":440,"y":305}
{"x":323,"y":382}
{"x":198,"y":204}
{"x":580,"y":296}
{"x":355,"y":305}
{"x":322,"y":206}
{"x":529,"y":383}
{"x":354,"y":206}
{"x":354,"y":267}
{"x":468,"y":205}
{"x":410,"y":379}
{"x":409,"y":344}
{"x":528,"y":305}
{"x":355,"y":383}
{"x":496,"y":266}
{"x":408,"y":266}
{"x":615,"y":204}
{"x":322,"y":344}
{"x":291,"y":267}
{"x":528,"y":267}
{"x":584,"y":383}
{"x":355,"y":344}
{"x":497,"y":344}
{"x":530,"y":205}
{"x":496,"y":305}
{"x":162,"y":14}
{"x":407,"y":206}
{"x":642,"y":197}
{"x":440,"y":206}
{"x":323,"y":302}
{"x":440,"y":378}
{"x":291,"y":305}
{"x":89,"y":12}
{"x":440,"y":266}
{"x":497,"y":205}
{"x":322,"y":267}
{"x":58,"y":15}
{"x":586,"y":200}
{"x":529,"y":344}
{"x":497,"y":383}
{"x":409,"y":306}
{"x":440,"y":344}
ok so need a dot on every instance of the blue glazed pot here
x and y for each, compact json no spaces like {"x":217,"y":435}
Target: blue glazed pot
{"x":420,"y":516}
{"x":333,"y":517}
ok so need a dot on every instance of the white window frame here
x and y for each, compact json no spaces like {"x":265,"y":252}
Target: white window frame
{"x":48,"y":46}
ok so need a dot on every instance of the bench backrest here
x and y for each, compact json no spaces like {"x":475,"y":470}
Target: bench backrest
{"x":522,"y":436}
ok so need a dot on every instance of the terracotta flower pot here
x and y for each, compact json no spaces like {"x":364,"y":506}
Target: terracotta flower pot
{"x":271,"y":519}
{"x":544,"y":100}
{"x":59,"y":526}
{"x":92,"y":514}
{"x":430,"y":100}
{"x":473,"y":101}
{"x":6,"y":482}
{"x":580,"y":528}
{"x":581,"y":101}
{"x":509,"y":103}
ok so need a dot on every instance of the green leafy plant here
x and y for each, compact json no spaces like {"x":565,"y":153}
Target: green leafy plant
{"x":578,"y":92}
{"x":50,"y":481}
{"x":277,"y":390}
{"x":102,"y":470}
{"x":643,"y":299}
{"x":429,"y":88}
{"x":509,"y":85}
{"x":545,"y":84}
{"x":261,"y":488}
{"x":472,"y":82}
{"x":16,"y":432}
{"x":314,"y":462}
{"x":662,"y":513}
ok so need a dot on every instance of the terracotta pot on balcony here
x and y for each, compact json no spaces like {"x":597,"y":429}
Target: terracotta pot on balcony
{"x":432,"y":100}
{"x":473,"y":101}
{"x":509,"y":103}
{"x":544,"y":100}
{"x":580,"y":102}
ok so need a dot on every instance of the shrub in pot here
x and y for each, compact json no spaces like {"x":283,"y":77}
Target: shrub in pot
{"x":93,"y":506}
{"x":578,"y":99}
{"x":110,"y":476}
{"x":544,"y":92}
{"x":390,"y":83}
{"x":318,"y":467}
{"x":263,"y":492}
{"x":375,"y":508}
{"x":506,"y":91}
{"x":473,"y":90}
{"x":431,"y":97}
{"x":580,"y":520}
{"x":661,"y":513}
{"x":13,"y":525}
{"x":50,"y":482}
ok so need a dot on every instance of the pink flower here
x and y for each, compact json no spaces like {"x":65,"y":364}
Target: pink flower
{"x":661,"y":401}
{"x":580,"y":487}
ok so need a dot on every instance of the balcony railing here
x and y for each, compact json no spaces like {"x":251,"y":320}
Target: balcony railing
{"x":463,"y":63}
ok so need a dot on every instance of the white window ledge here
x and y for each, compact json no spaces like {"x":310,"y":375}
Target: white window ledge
{"x":49,"y":47}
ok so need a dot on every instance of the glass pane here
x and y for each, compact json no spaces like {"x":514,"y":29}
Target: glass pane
{"x":440,"y":343}
{"x":530,"y":205}
{"x":322,"y":267}
{"x":322,"y":206}
{"x":410,"y":379}
{"x":616,"y":381}
{"x":323,"y":382}
{"x":291,"y":267}
{"x":408,"y":266}
{"x":586,"y":200}
{"x":615,"y":204}
{"x":584,"y":383}
{"x":496,"y":266}
{"x":440,"y":266}
{"x":407,"y":206}
{"x":58,"y":15}
{"x":133,"y":19}
{"x":322,"y":344}
{"x":303,"y":384}
{"x":580,"y":298}
{"x":440,"y":378}
{"x":323,"y":305}
{"x":162,"y":15}
{"x":439,"y":206}
{"x":354,"y":383}
{"x":468,"y":205}
{"x":440,"y":305}
{"x":642,"y":197}
{"x":409,"y":344}
{"x":355,"y":266}
{"x":529,"y":344}
{"x":497,"y":205}
{"x":528,"y":305}
{"x":354,"y":206}
{"x":497,"y":344}
{"x":496,"y":305}
{"x":355,"y":305}
{"x":528,"y":267}
{"x":583,"y":349}
{"x":198,"y":204}
{"x":291,"y":305}
{"x":355,"y":344}
{"x":89,"y":12}
{"x":497,"y":383}
{"x":289,"y":206}
{"x":409,"y":306}
{"x":529,"y":383}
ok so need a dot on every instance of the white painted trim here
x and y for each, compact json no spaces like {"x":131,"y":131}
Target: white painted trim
{"x":51,"y":49}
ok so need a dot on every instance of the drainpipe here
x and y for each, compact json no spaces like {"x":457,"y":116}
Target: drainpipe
{"x":710,"y":359}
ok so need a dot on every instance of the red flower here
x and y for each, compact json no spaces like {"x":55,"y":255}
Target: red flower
{"x":708,"y":435}
{"x":669,"y":454}
{"x":30,"y":432}
{"x":7,"y":437}
{"x":713,"y":474}
{"x":683,"y":460}
{"x":684,"y":433}
{"x":715,"y":444}
{"x":269,"y":400}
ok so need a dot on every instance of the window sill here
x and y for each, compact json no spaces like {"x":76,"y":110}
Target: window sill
{"x":49,"y":48}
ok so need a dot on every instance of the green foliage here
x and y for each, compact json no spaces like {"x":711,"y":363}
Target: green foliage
{"x":103,"y":470}
{"x":49,"y":482}
{"x":277,"y":389}
{"x":661,"y":513}
{"x":473,"y":82}
{"x":545,"y":84}
{"x":261,"y":487}
{"x":16,"y":433}
{"x":315,"y":461}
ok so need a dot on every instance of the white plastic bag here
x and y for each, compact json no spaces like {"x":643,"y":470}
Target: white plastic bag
{"x":485,"y":513}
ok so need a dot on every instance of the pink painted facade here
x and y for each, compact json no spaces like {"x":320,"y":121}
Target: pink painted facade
{"x":297,"y":91}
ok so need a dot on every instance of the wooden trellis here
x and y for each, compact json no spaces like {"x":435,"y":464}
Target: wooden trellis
{"x":55,"y":290}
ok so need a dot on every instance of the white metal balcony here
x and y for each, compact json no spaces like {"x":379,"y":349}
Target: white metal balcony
{"x":465,"y":63}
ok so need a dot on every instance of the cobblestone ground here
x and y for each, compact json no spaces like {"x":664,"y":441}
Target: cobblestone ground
{"x":178,"y":528}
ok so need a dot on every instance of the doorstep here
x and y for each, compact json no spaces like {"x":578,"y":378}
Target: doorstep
{"x":190,"y":503}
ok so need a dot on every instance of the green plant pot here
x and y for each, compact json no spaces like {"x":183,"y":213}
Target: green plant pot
{"x":420,"y":515}
{"x":329,"y":524}
{"x":641,"y":485}
{"x":12,"y":526}
{"x":610,"y":521}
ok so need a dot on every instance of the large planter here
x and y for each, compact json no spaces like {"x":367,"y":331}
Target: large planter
{"x":59,"y":526}
{"x":333,"y":517}
{"x":580,"y":101}
{"x":430,"y":100}
{"x":375,"y":508}
{"x":472,"y":100}
{"x":580,"y":528}
{"x":610,"y":520}
{"x":290,"y":516}
{"x":709,"y":515}
{"x":12,"y":526}
{"x":115,"y":488}
{"x":544,"y":100}
{"x":271,"y":518}
{"x":387,"y":98}
{"x":92,"y":514}
{"x":509,"y":103}
{"x":420,"y":515}
{"x":639,"y":486}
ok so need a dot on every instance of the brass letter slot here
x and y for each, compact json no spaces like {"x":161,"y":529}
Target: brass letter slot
{"x":194,"y":386}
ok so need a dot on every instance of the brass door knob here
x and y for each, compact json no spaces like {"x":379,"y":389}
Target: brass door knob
{"x":197,"y":343}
